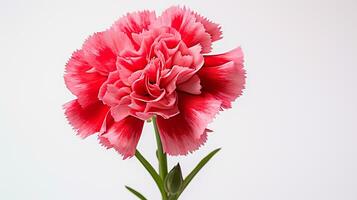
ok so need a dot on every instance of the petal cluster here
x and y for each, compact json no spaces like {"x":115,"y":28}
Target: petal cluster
{"x":145,"y":66}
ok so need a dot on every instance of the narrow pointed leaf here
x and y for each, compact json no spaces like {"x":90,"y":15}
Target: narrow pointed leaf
{"x":136,"y":193}
{"x":152,"y":172}
{"x":199,"y":166}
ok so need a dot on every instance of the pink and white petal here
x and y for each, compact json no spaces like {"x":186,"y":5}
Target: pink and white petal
{"x":223,"y":76}
{"x":112,"y":78}
{"x":135,"y":22}
{"x":165,"y":113}
{"x":166,"y":107}
{"x":86,"y":121}
{"x":112,"y":91}
{"x":191,"y":86}
{"x":211,"y":28}
{"x":184,"y":21}
{"x":184,"y":61}
{"x":117,"y":41}
{"x":99,"y":54}
{"x":81,"y":81}
{"x":129,"y":66}
{"x":186,"y":131}
{"x":122,"y":110}
{"x":176,"y":76}
{"x":198,"y":59}
{"x":114,"y":95}
{"x":123,"y":136}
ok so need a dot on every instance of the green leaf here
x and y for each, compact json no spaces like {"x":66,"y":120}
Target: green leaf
{"x":136,"y":193}
{"x":159,"y":182}
{"x":199,"y":166}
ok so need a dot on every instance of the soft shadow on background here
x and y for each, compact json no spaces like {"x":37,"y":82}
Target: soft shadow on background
{"x":292,"y":135}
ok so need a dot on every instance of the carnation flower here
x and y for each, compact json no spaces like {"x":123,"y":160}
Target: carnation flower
{"x":146,"y":66}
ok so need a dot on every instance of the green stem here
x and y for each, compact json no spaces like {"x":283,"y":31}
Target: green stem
{"x":161,"y":156}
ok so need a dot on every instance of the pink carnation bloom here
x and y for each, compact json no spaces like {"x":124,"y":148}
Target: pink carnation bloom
{"x":145,"y":66}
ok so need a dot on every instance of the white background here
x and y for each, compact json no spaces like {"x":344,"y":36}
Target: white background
{"x":291,"y":136}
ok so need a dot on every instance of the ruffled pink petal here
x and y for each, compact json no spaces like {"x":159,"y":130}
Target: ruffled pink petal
{"x":223,"y":76}
{"x":191,"y":86}
{"x":176,"y":76}
{"x":184,"y":21}
{"x":123,"y":136}
{"x":99,"y":53}
{"x":186,"y":131}
{"x":211,"y":28}
{"x":113,"y":89}
{"x":117,"y":41}
{"x":122,"y":110}
{"x":166,"y":107}
{"x":112,"y":78}
{"x":135,"y":22}
{"x":128,"y":66}
{"x":140,"y":92}
{"x":86,"y":121}
{"x":81,"y":81}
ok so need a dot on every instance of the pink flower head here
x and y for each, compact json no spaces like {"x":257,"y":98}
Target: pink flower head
{"x":145,"y":66}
